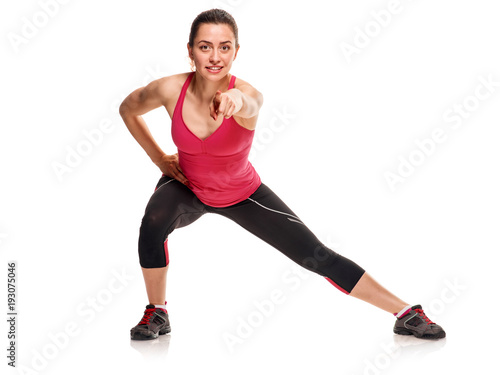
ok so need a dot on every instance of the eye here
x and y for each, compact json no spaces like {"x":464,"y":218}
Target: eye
{"x":204,"y":47}
{"x":225,"y":48}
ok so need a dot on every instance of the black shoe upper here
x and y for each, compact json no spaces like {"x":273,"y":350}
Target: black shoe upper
{"x":154,"y":322}
{"x":416,"y":323}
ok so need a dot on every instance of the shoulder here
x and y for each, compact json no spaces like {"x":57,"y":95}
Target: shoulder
{"x":247,"y":117}
{"x":248,"y":89}
{"x":169,"y":87}
{"x":239,"y":83}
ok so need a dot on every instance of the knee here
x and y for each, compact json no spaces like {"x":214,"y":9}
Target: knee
{"x":339,"y":270}
{"x":153,"y":251}
{"x":152,"y":220}
{"x":320,"y":259}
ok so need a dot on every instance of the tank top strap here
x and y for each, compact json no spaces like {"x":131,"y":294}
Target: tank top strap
{"x":180,"y":100}
{"x":231,"y":83}
{"x":186,"y":84}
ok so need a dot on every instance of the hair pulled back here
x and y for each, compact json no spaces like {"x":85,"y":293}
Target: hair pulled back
{"x":214,"y":16}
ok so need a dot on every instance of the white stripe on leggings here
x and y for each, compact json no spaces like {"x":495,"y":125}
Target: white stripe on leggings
{"x":164,"y":184}
{"x":279,"y":212}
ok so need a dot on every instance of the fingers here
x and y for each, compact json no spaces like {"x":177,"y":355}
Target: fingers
{"x":213,"y":111}
{"x":226,"y":106}
{"x":215,"y":105}
{"x":175,"y":170}
{"x":230,"y":110}
{"x":179,"y":176}
{"x":222,"y":104}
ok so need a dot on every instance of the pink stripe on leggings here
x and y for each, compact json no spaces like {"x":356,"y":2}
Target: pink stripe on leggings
{"x":336,"y":286}
{"x":165,"y":247}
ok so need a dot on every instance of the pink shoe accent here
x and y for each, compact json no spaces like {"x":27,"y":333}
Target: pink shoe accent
{"x":403,"y":312}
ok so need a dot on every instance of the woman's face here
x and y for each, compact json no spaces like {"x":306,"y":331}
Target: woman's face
{"x":213,"y":50}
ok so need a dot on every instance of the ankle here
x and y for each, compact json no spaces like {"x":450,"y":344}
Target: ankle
{"x":159,"y":305}
{"x":403,"y":311}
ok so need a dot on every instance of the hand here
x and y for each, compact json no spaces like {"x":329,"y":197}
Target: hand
{"x":169,"y":165}
{"x":225,"y":103}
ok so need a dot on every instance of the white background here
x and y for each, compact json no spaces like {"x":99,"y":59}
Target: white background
{"x":432,"y":241}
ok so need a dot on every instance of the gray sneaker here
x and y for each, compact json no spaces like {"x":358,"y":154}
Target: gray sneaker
{"x":154,"y":322}
{"x":416,"y":323}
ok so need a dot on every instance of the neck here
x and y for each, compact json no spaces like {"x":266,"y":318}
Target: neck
{"x":205,"y":89}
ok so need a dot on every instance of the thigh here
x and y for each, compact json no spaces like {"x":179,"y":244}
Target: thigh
{"x":265,"y":215}
{"x":172,"y":205}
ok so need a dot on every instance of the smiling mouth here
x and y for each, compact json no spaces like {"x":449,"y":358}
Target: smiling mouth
{"x":214,"y":68}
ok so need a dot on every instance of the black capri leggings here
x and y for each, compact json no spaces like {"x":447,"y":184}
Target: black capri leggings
{"x":173,"y":205}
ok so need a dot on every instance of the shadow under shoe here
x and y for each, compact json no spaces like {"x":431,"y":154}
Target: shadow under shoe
{"x":154,"y":322}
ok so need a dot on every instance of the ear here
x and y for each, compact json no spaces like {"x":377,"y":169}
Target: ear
{"x":190,"y":51}
{"x":236,"y":53}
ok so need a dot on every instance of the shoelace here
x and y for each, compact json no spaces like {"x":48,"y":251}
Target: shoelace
{"x":423,"y":316}
{"x":147,"y":315}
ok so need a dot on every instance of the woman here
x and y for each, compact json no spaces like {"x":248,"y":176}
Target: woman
{"x":214,"y":115}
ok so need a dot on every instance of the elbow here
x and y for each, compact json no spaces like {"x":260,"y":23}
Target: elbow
{"x":257,"y":104}
{"x":130,"y":106}
{"x":123,"y":110}
{"x":260,"y":101}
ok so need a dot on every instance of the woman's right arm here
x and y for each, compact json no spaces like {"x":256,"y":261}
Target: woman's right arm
{"x":139,"y":102}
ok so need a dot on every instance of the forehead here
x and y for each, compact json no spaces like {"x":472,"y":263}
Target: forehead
{"x":215,"y":32}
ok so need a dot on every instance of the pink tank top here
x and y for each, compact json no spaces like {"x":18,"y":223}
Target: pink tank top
{"x":217,"y":168}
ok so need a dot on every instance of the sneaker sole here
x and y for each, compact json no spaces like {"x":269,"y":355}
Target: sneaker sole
{"x":142,"y":337}
{"x":164,"y":331}
{"x":406,"y":332}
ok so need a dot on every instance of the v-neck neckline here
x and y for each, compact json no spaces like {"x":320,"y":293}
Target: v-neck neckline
{"x":182,"y":106}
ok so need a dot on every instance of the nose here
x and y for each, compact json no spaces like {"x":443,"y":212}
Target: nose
{"x":214,"y":56}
